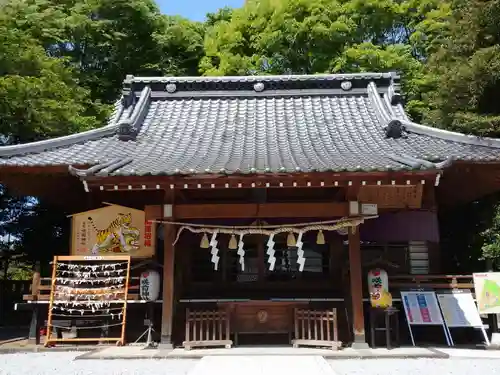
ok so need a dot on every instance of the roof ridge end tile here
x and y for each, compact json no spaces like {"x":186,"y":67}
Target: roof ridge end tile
{"x":129,"y":127}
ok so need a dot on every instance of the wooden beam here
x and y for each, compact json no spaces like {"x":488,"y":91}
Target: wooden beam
{"x":168,"y":285}
{"x":153,"y":212}
{"x":265,"y":210}
{"x":356,"y":289}
{"x":278,"y":181}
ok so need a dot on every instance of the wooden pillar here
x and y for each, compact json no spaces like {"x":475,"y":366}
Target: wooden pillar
{"x":358,"y":318}
{"x":34,"y":332}
{"x":168,"y":283}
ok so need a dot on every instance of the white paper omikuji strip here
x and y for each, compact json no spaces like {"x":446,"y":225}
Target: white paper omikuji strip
{"x":270,"y":251}
{"x":214,"y":251}
{"x":301,"y":260}
{"x":241,"y":252}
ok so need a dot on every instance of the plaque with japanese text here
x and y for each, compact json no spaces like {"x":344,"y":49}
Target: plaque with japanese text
{"x":113,"y":230}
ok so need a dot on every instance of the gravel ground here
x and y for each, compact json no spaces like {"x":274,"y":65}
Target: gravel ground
{"x":63,"y":364}
{"x":453,"y":366}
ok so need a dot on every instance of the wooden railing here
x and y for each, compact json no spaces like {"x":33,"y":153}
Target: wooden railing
{"x":207,"y":328}
{"x":316,"y":328}
{"x":431,"y":281}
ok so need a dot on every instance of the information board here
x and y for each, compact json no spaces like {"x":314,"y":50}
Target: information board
{"x":459,"y":310}
{"x":487,"y":287}
{"x":421,"y":308}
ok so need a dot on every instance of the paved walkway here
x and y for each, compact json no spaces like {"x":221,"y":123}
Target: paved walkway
{"x":137,"y":352}
{"x":265,"y":365}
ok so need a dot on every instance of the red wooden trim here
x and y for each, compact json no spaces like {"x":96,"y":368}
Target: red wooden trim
{"x":265,"y":210}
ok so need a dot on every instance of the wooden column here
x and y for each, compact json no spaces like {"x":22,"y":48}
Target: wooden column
{"x":358,"y":318}
{"x":168,"y":284}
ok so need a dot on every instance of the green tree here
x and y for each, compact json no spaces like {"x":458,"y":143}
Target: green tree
{"x":103,"y":39}
{"x":39,"y":95}
{"x":319,"y":36}
{"x":465,"y":72}
{"x":180,"y":46}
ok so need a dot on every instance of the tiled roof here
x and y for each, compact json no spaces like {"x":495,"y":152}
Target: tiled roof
{"x":256,"y":124}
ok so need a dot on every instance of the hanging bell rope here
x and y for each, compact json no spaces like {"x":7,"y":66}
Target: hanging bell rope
{"x":236,"y":228}
{"x":268,"y":229}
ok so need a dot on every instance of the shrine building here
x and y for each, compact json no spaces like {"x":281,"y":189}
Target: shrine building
{"x":266,"y":199}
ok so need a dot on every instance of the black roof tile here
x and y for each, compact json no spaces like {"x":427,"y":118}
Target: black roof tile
{"x":255,"y":125}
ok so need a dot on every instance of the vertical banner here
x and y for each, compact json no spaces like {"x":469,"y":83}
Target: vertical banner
{"x":113,"y":230}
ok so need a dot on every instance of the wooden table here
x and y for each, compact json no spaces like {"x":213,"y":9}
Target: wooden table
{"x":261,"y":316}
{"x":388,"y":314}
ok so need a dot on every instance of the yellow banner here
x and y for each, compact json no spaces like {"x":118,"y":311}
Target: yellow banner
{"x":113,"y":230}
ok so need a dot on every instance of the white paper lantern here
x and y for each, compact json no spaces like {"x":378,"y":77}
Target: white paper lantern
{"x":378,"y":286}
{"x":378,"y":281}
{"x":150,"y":285}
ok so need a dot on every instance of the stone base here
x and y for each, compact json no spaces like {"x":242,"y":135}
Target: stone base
{"x":165,"y":345}
{"x":360,"y":345}
{"x":495,"y":341}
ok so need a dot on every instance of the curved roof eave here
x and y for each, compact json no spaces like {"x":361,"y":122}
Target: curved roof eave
{"x":413,"y":127}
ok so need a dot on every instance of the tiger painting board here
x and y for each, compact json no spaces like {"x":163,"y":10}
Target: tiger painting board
{"x":422,"y":309}
{"x":112,"y":230}
{"x":460,"y":311}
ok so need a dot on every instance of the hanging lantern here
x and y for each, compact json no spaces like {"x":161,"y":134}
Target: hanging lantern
{"x":290,"y":240}
{"x":149,"y":285}
{"x":233,"y":244}
{"x":320,"y":239}
{"x":204,"y":244}
{"x":378,"y":288}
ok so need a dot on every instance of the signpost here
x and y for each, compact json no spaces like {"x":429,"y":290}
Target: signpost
{"x":422,"y":309}
{"x":460,"y":311}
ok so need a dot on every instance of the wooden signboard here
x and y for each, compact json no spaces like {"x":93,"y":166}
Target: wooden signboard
{"x":112,"y":230}
{"x":392,"y":196}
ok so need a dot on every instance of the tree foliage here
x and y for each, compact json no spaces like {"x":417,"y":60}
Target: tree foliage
{"x":320,"y":36}
{"x":62,"y":63}
{"x":39,"y":95}
{"x":466,"y":71}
